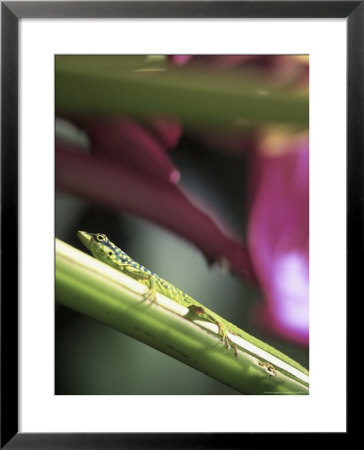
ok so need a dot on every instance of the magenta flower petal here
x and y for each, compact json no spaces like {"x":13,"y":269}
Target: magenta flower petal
{"x":223,"y":61}
{"x":106,"y":182}
{"x":168,"y":131}
{"x":179,"y":60}
{"x":140,"y":148}
{"x":231,"y":61}
{"x":278,"y":239}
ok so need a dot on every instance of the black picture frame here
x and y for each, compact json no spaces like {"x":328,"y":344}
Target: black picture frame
{"x":11,"y":12}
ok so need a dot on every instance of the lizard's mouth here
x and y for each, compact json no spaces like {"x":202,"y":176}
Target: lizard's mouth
{"x":84,"y":237}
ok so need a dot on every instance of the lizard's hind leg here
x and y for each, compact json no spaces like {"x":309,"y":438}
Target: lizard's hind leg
{"x":199,"y":310}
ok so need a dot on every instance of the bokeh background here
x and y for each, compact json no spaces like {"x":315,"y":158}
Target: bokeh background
{"x":220,"y":172}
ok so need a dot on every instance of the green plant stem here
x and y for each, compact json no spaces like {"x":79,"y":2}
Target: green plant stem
{"x":102,"y":293}
{"x":104,"y":85}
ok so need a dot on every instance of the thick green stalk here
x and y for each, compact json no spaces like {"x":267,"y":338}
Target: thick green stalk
{"x":109,"y":85}
{"x":101,"y":292}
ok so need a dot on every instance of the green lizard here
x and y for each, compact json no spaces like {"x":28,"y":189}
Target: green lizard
{"x":104,"y":250}
{"x":267,"y":357}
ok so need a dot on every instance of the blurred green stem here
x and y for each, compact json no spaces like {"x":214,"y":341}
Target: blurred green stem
{"x":111,"y":85}
{"x":102,"y":293}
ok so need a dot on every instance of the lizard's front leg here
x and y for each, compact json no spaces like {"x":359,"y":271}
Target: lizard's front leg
{"x":140,"y":275}
{"x":151,"y":294}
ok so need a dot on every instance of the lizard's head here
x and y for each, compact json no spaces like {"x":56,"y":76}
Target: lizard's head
{"x":98,"y":244}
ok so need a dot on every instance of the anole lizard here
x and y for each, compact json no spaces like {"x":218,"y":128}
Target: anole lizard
{"x":267,"y":358}
{"x":104,"y":250}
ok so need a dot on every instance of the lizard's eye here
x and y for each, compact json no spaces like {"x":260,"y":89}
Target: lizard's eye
{"x":100,"y":237}
{"x":110,"y":253}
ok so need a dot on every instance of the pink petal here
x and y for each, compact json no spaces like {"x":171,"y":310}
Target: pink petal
{"x":106,"y":182}
{"x":167,"y":130}
{"x":179,"y":60}
{"x":222,"y":61}
{"x":139,"y":147}
{"x":278,"y":239}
